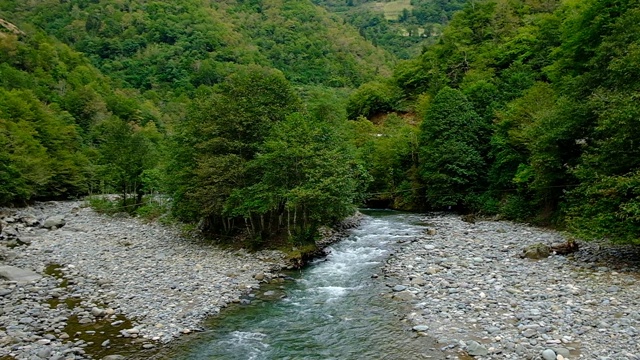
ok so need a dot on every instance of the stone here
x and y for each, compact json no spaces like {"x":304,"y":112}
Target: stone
{"x":432,"y":271}
{"x":418,"y":281}
{"x":56,"y":221}
{"x":536,"y":251}
{"x":549,"y":354}
{"x":30,"y":220}
{"x":13,"y":273}
{"x":562,"y":351}
{"x":613,"y":289}
{"x":399,"y":288}
{"x":97,"y":312}
{"x":106,"y":343}
{"x":420,"y":328}
{"x":44,"y":353}
{"x":529,"y":333}
{"x":403,"y":296}
{"x":476,"y":349}
{"x":259,"y":276}
{"x":5,"y":292}
{"x":470,"y":218}
{"x":114,"y":357}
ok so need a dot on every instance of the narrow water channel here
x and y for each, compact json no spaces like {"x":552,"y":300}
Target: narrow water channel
{"x":333,"y":309}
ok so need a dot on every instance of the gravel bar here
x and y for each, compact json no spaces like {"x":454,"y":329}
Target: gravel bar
{"x":472,"y":291}
{"x":110,"y":275}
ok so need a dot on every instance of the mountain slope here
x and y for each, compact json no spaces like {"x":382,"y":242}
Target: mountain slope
{"x":179,"y":46}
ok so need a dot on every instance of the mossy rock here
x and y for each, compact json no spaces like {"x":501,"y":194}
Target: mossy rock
{"x":536,"y":251}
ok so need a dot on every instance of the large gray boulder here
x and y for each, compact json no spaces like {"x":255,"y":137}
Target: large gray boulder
{"x":13,"y":273}
{"x":56,"y":221}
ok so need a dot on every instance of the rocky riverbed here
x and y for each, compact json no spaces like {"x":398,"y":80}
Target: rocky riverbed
{"x":83,"y":285}
{"x":472,"y":291}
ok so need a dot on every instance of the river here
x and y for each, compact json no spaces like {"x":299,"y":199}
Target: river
{"x":332,"y":309}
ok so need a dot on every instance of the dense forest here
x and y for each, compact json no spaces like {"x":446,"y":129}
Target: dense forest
{"x":271,"y":118}
{"x":526,"y":109}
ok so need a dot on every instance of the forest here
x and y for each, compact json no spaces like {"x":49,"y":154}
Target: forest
{"x":263,"y":120}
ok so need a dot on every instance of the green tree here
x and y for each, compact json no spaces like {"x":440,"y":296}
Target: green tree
{"x":225,"y":128}
{"x":125,"y":154}
{"x":308,"y":177}
{"x":451,"y":166}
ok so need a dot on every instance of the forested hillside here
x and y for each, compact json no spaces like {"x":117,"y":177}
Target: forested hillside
{"x":164,"y":45}
{"x":237,"y":110}
{"x":527,"y":109}
{"x":403,"y":27}
{"x":53,"y":107}
{"x":194,"y":100}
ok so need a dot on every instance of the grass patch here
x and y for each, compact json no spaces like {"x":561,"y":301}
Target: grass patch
{"x":393,"y":9}
{"x":151,"y":208}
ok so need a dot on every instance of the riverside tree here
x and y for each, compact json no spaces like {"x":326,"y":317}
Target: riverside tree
{"x":259,"y":163}
{"x":450,"y":161}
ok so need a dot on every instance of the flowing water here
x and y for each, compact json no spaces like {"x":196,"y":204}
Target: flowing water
{"x":333,"y":309}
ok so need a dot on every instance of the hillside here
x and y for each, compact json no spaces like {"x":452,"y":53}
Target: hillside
{"x":195,"y":100}
{"x":528,"y":111}
{"x":165,"y":45}
{"x":403,"y":27}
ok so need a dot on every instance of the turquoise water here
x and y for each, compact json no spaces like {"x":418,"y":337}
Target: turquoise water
{"x":333,"y":309}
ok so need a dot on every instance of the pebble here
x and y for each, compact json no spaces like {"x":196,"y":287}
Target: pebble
{"x":478,"y":287}
{"x":112,"y":268}
{"x":548,"y":354}
{"x":420,"y":328}
{"x":476,"y":349}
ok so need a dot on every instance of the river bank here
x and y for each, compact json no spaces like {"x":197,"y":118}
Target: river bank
{"x":112,"y":286}
{"x":470,"y":289}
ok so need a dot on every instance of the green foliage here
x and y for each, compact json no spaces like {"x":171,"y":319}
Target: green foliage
{"x":40,"y":149}
{"x":401,"y":27}
{"x":450,"y":161}
{"x":53,"y":105}
{"x":154,"y":210}
{"x":250,"y":160}
{"x":389,"y":153}
{"x":104,"y":205}
{"x":174,"y":48}
{"x":125,"y":154}
{"x":553,"y":91}
{"x":370,"y":99}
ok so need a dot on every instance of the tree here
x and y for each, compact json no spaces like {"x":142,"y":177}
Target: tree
{"x":308,"y":177}
{"x":225,"y":128}
{"x":451,"y":166}
{"x":125,"y":153}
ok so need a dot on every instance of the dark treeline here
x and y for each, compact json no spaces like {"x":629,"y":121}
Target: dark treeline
{"x":524,"y":108}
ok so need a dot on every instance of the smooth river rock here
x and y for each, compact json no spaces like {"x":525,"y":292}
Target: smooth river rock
{"x":13,"y":273}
